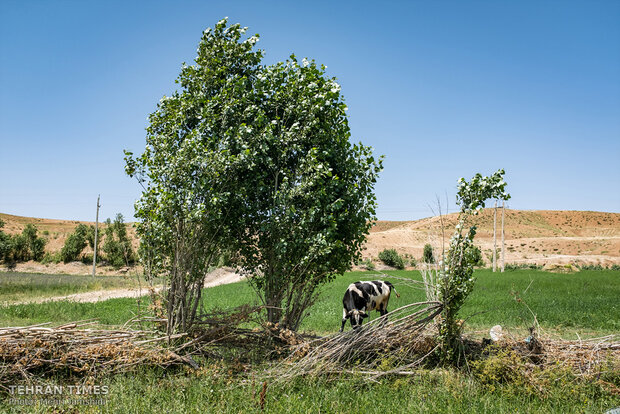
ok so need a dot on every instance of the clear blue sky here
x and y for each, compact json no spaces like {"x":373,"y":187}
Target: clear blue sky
{"x":443,"y":89}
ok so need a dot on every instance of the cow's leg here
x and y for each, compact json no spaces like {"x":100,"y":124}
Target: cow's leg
{"x":383,"y":312}
{"x":382,"y":309}
{"x":344,"y":319}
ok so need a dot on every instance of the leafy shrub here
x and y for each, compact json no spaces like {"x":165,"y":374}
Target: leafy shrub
{"x":36,"y":245}
{"x":51,"y":258}
{"x":391,"y":258}
{"x":21,"y":247}
{"x":87,"y":259}
{"x":117,"y":246}
{"x":517,"y":266}
{"x":477,"y":259}
{"x":75,"y":243}
{"x":413,"y":262}
{"x":427,"y":255}
{"x":368,"y":264}
{"x":591,"y":267}
{"x":5,"y":242}
{"x":90,"y":237}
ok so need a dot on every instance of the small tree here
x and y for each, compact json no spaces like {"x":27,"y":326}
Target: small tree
{"x":75,"y":244}
{"x":5,"y":244}
{"x":90,"y":237}
{"x":21,"y":247}
{"x":117,"y":246}
{"x":36,"y":245}
{"x":476,"y":257}
{"x":456,"y":281}
{"x":427,"y":255}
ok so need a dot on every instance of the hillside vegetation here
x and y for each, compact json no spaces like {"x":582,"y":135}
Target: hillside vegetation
{"x":540,"y":237}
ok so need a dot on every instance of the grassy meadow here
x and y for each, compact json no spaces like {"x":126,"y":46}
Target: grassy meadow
{"x":583,"y":303}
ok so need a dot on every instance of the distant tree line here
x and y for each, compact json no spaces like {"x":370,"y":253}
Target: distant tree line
{"x":115,"y":251}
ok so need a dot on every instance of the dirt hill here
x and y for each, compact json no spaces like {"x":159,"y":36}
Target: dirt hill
{"x":541,"y":237}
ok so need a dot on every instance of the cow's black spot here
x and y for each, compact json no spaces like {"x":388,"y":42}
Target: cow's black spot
{"x":378,"y":284}
{"x":365,"y":289}
{"x":359,"y":302}
{"x":372,"y":304}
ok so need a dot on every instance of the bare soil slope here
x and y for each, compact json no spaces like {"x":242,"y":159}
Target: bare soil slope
{"x":541,"y":237}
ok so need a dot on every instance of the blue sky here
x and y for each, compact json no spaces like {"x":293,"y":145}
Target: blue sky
{"x":443,"y":89}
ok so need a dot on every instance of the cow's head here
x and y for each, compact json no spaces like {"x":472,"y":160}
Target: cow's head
{"x":356,"y":317}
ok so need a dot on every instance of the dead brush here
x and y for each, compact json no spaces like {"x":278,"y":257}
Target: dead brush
{"x":550,"y":365}
{"x":407,"y":337}
{"x":76,"y":349}
{"x":583,"y":357}
{"x":240,"y":334}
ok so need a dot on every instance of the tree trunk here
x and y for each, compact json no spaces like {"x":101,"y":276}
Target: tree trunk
{"x":503,"y":239}
{"x":495,"y":237}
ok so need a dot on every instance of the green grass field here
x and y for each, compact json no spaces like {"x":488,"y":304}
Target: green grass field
{"x":585,"y":303}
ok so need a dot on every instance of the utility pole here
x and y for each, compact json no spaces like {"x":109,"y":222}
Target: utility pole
{"x":503,"y":240}
{"x":96,"y":234}
{"x":495,"y":238}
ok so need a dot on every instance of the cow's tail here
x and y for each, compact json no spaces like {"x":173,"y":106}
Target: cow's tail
{"x":393,"y":288}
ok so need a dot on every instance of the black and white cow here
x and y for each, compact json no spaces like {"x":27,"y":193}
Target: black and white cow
{"x":363,"y":297}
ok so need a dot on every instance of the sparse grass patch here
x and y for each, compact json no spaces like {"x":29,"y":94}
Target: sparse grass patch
{"x":20,"y":287}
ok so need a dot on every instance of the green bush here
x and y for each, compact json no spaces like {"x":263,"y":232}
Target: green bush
{"x":427,"y":255}
{"x":477,"y":259}
{"x":75,"y":243}
{"x":391,"y":258}
{"x":116,"y":245}
{"x":368,"y":264}
{"x":5,"y":244}
{"x":51,"y":258}
{"x":413,"y":262}
{"x":21,"y":247}
{"x":518,"y":266}
{"x":87,"y":259}
{"x":36,"y":245}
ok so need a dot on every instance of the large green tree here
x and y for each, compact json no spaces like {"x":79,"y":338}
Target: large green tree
{"x":306,"y":192}
{"x":256,"y":160}
{"x":185,"y":170}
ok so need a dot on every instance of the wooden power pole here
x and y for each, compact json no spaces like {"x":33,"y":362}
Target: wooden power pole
{"x":495,"y":237}
{"x":503,"y":239}
{"x":96,"y":234}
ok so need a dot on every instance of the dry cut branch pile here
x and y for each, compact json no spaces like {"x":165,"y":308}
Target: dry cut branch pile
{"x":384,"y":346}
{"x":75,"y":348}
{"x":584,"y":357}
